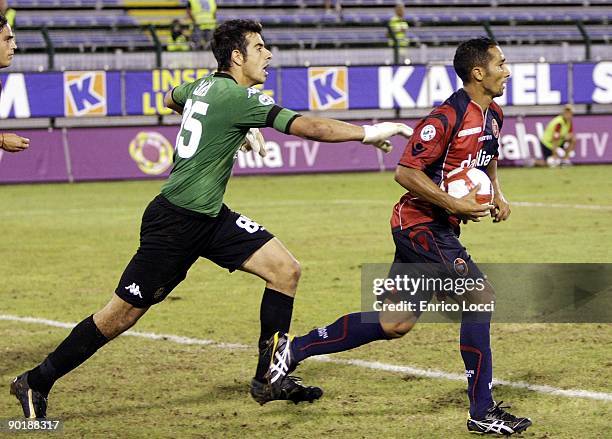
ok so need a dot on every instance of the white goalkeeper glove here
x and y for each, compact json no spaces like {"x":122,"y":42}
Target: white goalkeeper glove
{"x":378,"y":134}
{"x":255,"y":141}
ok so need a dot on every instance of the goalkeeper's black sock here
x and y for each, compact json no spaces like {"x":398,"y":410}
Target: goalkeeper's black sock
{"x":348,"y":332}
{"x":82,"y":342}
{"x":274,"y":315}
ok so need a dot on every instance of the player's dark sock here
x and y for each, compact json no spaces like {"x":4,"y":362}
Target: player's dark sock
{"x":475,"y":345}
{"x":82,"y":342}
{"x":348,"y":332}
{"x":274,"y":315}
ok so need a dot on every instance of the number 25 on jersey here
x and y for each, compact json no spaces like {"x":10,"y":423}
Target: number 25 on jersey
{"x":191,"y":125}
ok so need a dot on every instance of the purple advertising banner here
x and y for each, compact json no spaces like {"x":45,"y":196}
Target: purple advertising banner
{"x":44,"y":161}
{"x":121,"y":153}
{"x":520,"y":144}
{"x":146,"y":152}
{"x":290,"y":154}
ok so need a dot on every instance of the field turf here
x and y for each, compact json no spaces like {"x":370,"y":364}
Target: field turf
{"x":63,"y":248}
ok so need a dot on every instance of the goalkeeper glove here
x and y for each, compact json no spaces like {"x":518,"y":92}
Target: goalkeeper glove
{"x":378,"y":134}
{"x":255,"y":141}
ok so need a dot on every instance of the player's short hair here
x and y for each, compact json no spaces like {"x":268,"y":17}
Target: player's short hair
{"x":3,"y":21}
{"x":230,"y":36}
{"x":470,"y":54}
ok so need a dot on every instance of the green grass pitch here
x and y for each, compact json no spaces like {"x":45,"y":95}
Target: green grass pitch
{"x":63,"y":248}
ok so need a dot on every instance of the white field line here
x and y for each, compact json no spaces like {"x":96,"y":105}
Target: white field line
{"x":561,"y":205}
{"x":127,"y":212}
{"x":374,"y":365}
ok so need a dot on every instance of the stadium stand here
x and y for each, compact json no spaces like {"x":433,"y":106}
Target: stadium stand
{"x":562,"y":29}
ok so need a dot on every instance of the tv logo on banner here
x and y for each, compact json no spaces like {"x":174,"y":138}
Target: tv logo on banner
{"x":85,"y":94}
{"x":328,"y":88}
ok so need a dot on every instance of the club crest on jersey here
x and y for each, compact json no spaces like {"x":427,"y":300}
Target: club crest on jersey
{"x":328,"y":88}
{"x":460,"y":267}
{"x":265,"y":99}
{"x":85,"y":94}
{"x":428,"y":132}
{"x":495,"y":128}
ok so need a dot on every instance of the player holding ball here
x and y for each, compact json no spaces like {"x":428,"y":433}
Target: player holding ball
{"x":463,"y":132}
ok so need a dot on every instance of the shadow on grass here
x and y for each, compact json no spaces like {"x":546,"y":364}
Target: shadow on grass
{"x":16,"y":360}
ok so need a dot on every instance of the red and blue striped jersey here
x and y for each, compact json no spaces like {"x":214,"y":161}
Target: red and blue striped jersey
{"x":456,"y":134}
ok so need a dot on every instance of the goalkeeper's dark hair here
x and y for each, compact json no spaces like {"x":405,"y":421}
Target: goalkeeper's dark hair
{"x":230,"y":36}
{"x":3,"y":21}
{"x":470,"y":54}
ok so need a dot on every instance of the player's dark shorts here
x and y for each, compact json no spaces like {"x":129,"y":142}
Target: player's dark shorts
{"x":173,"y":238}
{"x":546,"y":151}
{"x":431,"y":251}
{"x":436,"y":243}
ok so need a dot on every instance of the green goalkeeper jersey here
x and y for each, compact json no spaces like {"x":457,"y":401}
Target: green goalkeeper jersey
{"x":217,"y":114}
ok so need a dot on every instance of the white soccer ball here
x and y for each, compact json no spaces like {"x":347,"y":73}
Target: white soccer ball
{"x":459,"y":182}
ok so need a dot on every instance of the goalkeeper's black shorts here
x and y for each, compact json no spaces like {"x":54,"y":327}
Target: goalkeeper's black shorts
{"x":173,"y":238}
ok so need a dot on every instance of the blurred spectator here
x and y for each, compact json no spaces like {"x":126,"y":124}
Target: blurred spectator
{"x":558,"y":139}
{"x":178,"y":41}
{"x":398,"y":30}
{"x":331,"y":5}
{"x":203,"y":14}
{"x":9,"y":13}
{"x":9,"y":142}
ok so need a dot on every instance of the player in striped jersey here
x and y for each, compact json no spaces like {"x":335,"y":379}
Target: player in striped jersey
{"x":462,"y":132}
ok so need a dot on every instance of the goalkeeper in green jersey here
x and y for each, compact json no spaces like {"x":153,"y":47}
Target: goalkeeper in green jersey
{"x":188,"y":220}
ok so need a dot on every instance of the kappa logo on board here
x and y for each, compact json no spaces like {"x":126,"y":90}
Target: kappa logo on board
{"x":328,"y":88}
{"x":85,"y":94}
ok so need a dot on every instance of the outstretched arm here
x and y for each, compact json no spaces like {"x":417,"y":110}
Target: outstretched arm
{"x":331,"y":130}
{"x":325,"y":130}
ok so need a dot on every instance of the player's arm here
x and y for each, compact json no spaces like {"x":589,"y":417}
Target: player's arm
{"x":501,"y":208}
{"x":252,"y":109}
{"x":419,"y":184}
{"x":331,"y":130}
{"x":325,"y":130}
{"x":12,"y":142}
{"x":170,"y":103}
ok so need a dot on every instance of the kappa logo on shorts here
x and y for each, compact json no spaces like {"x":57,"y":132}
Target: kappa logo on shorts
{"x":134,"y":289}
